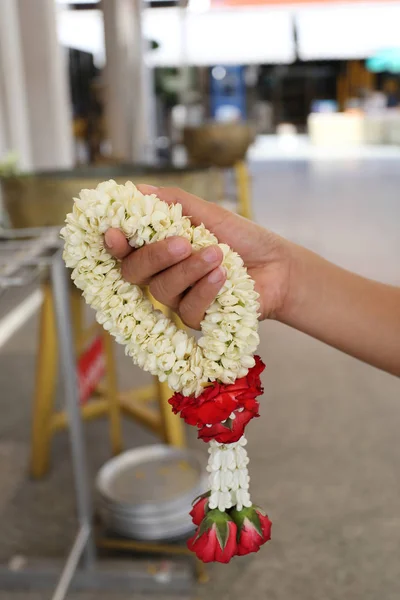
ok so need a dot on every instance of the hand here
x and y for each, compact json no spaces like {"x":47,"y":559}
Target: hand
{"x":188,"y":282}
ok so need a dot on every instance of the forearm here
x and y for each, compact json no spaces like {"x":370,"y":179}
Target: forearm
{"x":351,"y":313}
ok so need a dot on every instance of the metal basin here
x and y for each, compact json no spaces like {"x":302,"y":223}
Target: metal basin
{"x":146,"y":493}
{"x":43,"y":199}
{"x":218,"y":144}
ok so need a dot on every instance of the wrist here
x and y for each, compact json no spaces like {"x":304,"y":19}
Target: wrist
{"x":302,"y":278}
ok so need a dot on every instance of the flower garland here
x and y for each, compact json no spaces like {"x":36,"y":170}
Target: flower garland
{"x":216,"y":380}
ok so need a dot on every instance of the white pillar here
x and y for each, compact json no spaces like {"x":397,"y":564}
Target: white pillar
{"x":129,"y":93}
{"x":116,"y":75}
{"x":143,"y":97}
{"x":14,"y":118}
{"x":4,"y":147}
{"x":46,"y":85}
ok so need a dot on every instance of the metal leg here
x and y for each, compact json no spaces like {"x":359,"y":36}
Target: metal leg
{"x":243,"y":189}
{"x":46,"y":376}
{"x":201,"y":572}
{"x":172,"y":425}
{"x":78,"y":548}
{"x":67,"y":359}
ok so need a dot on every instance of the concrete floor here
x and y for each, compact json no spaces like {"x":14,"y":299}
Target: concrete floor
{"x":324,"y":455}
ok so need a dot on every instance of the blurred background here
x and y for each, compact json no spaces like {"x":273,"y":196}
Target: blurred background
{"x":287,"y":112}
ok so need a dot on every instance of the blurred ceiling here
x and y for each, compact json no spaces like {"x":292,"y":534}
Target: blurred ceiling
{"x":200,"y":37}
{"x":205,"y":35}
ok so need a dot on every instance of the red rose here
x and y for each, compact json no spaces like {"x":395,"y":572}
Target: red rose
{"x":200,"y":509}
{"x":253,"y":376}
{"x":212,"y":406}
{"x":218,"y":402}
{"x":215,"y":539}
{"x":183,"y":405}
{"x":254,"y":529}
{"x":233,"y":429}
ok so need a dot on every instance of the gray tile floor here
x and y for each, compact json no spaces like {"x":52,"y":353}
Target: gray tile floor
{"x":325,"y":453}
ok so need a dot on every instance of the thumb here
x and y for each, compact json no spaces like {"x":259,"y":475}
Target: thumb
{"x":116,"y":243}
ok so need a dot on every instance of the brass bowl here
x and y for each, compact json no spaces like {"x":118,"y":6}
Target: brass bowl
{"x":43,"y":199}
{"x":218,"y":144}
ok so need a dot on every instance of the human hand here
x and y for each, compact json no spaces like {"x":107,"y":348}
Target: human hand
{"x":188,"y":281}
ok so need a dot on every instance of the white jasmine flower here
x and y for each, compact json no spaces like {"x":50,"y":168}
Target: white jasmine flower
{"x":174,"y":382}
{"x":181,"y":343}
{"x":229,"y":363}
{"x":180,"y":367}
{"x":213,"y":346}
{"x":165,"y":362}
{"x":228,"y":459}
{"x":221,"y":336}
{"x":242,"y":499}
{"x":151,"y":362}
{"x":160,"y":345}
{"x":188,"y":382}
{"x":212,"y":369}
{"x":228,"y":376}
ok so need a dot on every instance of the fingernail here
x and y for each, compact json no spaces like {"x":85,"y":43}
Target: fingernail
{"x":217,"y":276}
{"x":177,"y":246}
{"x":108,"y":239}
{"x":210,"y":255}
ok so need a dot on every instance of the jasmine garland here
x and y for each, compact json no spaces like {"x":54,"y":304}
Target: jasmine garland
{"x":216,"y":378}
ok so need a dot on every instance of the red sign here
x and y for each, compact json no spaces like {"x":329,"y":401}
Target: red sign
{"x":91,"y":369}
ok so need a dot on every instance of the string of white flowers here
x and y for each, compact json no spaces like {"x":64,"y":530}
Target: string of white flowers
{"x":229,"y":329}
{"x":229,"y":478}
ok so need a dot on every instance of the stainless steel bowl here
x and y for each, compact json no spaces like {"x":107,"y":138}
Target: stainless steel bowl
{"x":146,"y":493}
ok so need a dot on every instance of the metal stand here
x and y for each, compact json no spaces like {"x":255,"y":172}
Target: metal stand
{"x":81,"y":569}
{"x":78,"y":451}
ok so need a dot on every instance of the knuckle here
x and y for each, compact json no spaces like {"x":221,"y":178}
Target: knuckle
{"x":126,"y":270}
{"x":131,"y":269}
{"x":156,"y":257}
{"x":188,"y":314}
{"x":187,"y":269}
{"x":159,"y":290}
{"x":193,"y":268}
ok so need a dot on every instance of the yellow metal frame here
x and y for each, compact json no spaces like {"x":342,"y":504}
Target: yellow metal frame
{"x":242,"y":177}
{"x":243,"y":187}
